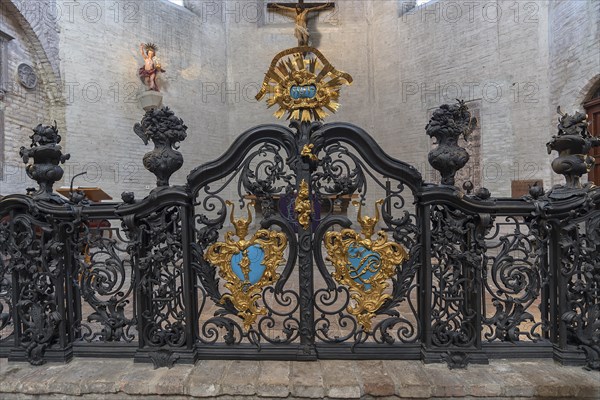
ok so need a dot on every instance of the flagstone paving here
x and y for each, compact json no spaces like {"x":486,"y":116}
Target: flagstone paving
{"x":223,"y":379}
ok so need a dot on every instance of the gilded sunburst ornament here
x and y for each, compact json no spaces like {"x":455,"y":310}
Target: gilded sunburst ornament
{"x":303,"y":84}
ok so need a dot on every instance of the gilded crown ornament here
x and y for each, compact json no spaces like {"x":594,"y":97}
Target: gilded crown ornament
{"x":247,"y":266}
{"x":364,"y":265}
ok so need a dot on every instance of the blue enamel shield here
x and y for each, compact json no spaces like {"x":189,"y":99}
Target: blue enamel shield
{"x":303,"y":92}
{"x":256,"y":255}
{"x":364,"y":263}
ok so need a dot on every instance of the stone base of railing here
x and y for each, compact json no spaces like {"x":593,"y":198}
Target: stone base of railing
{"x":223,"y":379}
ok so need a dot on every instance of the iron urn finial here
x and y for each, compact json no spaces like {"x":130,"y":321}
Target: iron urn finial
{"x":165,"y":130}
{"x":47,"y":156}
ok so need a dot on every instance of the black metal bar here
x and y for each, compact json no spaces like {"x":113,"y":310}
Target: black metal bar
{"x":425,"y":276}
{"x":547,"y":301}
{"x":305,"y":255}
{"x":557,"y":335}
{"x":189,"y":280}
{"x":141,"y":299}
{"x":17,"y":332}
{"x":475,"y":297}
{"x":63,"y":300}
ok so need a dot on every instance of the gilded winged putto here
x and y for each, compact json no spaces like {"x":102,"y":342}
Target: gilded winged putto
{"x":247,"y":266}
{"x":364,"y":265}
{"x":303,"y":207}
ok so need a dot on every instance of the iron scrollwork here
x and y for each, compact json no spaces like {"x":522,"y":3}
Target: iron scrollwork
{"x":34,"y":251}
{"x":455,"y":269}
{"x":247,"y":266}
{"x":267,"y":179}
{"x":580,"y":280}
{"x":513,"y":282}
{"x":448,"y":275}
{"x":6,"y":307}
{"x":105,"y":278}
{"x":264,"y":175}
{"x":364,"y":265}
{"x":341,"y":174}
{"x":163,"y":321}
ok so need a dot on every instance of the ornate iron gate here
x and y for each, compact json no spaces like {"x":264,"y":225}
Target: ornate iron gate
{"x":263,"y":255}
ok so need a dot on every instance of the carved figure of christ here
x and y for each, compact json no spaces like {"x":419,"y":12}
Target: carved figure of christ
{"x":302,"y":10}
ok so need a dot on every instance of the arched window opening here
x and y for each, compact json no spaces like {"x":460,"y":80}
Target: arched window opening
{"x":592,"y":109}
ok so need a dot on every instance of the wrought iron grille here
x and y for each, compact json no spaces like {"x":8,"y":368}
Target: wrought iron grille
{"x":299,"y":243}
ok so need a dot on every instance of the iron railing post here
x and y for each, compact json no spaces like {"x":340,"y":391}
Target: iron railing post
{"x":425,"y":278}
{"x":189,"y":288}
{"x":307,"y":349}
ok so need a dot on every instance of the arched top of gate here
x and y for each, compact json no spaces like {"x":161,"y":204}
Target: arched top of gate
{"x":231,"y":159}
{"x":370,"y":151}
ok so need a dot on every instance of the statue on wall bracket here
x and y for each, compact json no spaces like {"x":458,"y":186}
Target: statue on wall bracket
{"x":151,"y":68}
{"x":151,"y":98}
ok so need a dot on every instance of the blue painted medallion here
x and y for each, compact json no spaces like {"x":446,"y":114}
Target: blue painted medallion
{"x":256,"y":255}
{"x":303,"y":92}
{"x":364,"y":263}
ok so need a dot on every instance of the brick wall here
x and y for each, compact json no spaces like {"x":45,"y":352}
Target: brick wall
{"x":484,"y":52}
{"x":574,"y":65}
{"x":405,"y":63}
{"x":100,"y":58}
{"x":515,"y":60}
{"x":25,"y":108}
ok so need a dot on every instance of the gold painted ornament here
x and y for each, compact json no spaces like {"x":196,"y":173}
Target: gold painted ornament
{"x":364,"y":265}
{"x":247,"y":266}
{"x":307,"y":151}
{"x":303,"y":206}
{"x":303,"y":83}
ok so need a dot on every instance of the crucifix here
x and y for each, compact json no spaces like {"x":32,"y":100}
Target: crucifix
{"x":302,"y":10}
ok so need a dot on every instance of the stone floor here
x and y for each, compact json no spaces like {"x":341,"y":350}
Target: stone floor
{"x":122,"y":379}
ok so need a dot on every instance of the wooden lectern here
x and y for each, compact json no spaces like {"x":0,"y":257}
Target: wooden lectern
{"x":93,"y":194}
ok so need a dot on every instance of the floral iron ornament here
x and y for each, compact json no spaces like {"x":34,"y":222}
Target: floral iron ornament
{"x":303,"y":83}
{"x":247,"y":266}
{"x":448,"y":123}
{"x":165,"y":130}
{"x":364,"y":265}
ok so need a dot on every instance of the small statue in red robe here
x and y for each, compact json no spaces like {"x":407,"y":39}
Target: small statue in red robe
{"x":151,"y":66}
